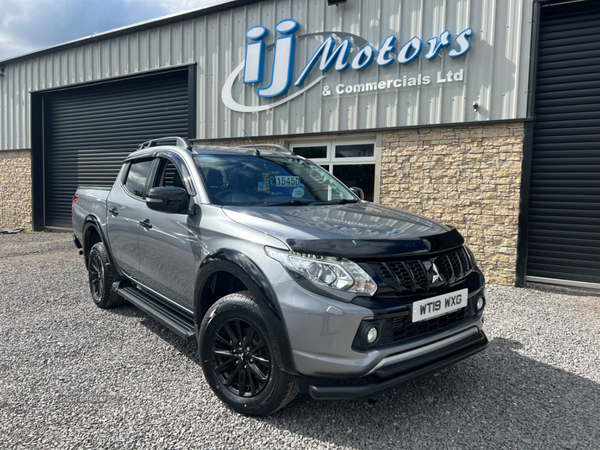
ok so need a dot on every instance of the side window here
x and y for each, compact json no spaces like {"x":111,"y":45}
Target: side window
{"x":169,"y":176}
{"x":137,"y":176}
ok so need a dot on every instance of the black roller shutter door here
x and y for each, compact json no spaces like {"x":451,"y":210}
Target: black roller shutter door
{"x":88,"y":132}
{"x":564,"y":207}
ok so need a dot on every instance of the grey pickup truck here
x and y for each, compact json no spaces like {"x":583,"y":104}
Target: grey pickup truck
{"x":286,"y":278}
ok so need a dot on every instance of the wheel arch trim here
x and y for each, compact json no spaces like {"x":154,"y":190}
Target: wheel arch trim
{"x":92,"y":221}
{"x":248,"y":272}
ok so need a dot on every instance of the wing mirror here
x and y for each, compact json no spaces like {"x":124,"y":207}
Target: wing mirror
{"x":358,"y":192}
{"x":168,"y":199}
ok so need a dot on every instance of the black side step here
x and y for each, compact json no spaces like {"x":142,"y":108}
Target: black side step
{"x":174,"y":320}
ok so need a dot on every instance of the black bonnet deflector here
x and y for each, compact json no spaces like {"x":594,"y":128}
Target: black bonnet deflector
{"x":373,"y":248}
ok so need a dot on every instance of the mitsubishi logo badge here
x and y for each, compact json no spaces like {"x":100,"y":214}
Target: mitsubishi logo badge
{"x":433,"y":273}
{"x":435,"y":276}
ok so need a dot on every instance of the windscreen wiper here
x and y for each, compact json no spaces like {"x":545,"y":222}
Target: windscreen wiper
{"x":341,"y":201}
{"x":289,"y":202}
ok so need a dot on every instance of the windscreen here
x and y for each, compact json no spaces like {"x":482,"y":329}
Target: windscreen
{"x":268,"y":180}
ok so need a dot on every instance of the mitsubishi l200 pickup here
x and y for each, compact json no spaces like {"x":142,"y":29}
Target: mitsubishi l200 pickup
{"x":287,"y":279}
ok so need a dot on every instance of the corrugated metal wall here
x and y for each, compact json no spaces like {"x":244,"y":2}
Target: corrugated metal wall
{"x":497,"y":67}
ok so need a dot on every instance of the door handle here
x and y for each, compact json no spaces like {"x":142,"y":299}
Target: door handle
{"x":145,"y":223}
{"x":113,"y":211}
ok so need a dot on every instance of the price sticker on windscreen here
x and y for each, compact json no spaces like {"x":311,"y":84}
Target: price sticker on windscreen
{"x":284,"y":181}
{"x":286,"y":186}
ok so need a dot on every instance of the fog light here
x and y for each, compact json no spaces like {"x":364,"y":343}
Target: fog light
{"x":480,"y":303}
{"x":371,"y":335}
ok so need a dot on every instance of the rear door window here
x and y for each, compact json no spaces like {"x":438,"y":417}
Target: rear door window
{"x":138,"y":176}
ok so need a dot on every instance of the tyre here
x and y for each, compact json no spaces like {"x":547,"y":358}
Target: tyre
{"x":237,"y":358}
{"x":101,"y":278}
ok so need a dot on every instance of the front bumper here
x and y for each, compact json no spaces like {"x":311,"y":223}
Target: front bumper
{"x":398,"y":369}
{"x":321,"y":332}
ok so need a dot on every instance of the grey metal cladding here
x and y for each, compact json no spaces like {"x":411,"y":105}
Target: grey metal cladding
{"x":496,"y":70}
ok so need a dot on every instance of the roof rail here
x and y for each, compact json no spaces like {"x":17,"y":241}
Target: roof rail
{"x":179,"y":142}
{"x":279,"y":148}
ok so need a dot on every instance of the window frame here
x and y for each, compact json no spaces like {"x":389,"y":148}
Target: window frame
{"x":331,"y":160}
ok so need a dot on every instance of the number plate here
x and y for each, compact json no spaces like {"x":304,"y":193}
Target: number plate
{"x":440,"y":305}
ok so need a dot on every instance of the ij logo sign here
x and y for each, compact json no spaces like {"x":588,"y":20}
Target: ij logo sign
{"x":353,"y":52}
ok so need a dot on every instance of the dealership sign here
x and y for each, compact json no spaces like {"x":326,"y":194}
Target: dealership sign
{"x":329,"y":55}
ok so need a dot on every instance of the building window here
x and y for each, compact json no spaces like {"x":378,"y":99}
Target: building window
{"x":352,"y":162}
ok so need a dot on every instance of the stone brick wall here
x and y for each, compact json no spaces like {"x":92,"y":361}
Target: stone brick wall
{"x":465,"y":176}
{"x":15,"y":190}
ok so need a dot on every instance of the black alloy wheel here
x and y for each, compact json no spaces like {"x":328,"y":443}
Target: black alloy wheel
{"x":96,"y":276}
{"x":241,"y":358}
{"x":101,"y":278}
{"x":238,"y":360}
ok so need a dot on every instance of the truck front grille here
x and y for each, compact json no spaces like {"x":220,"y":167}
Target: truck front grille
{"x":413,"y":274}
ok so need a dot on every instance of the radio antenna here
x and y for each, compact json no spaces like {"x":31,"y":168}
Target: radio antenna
{"x":256,"y":152}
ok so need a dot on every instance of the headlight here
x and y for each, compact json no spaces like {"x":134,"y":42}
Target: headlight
{"x":335,"y":273}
